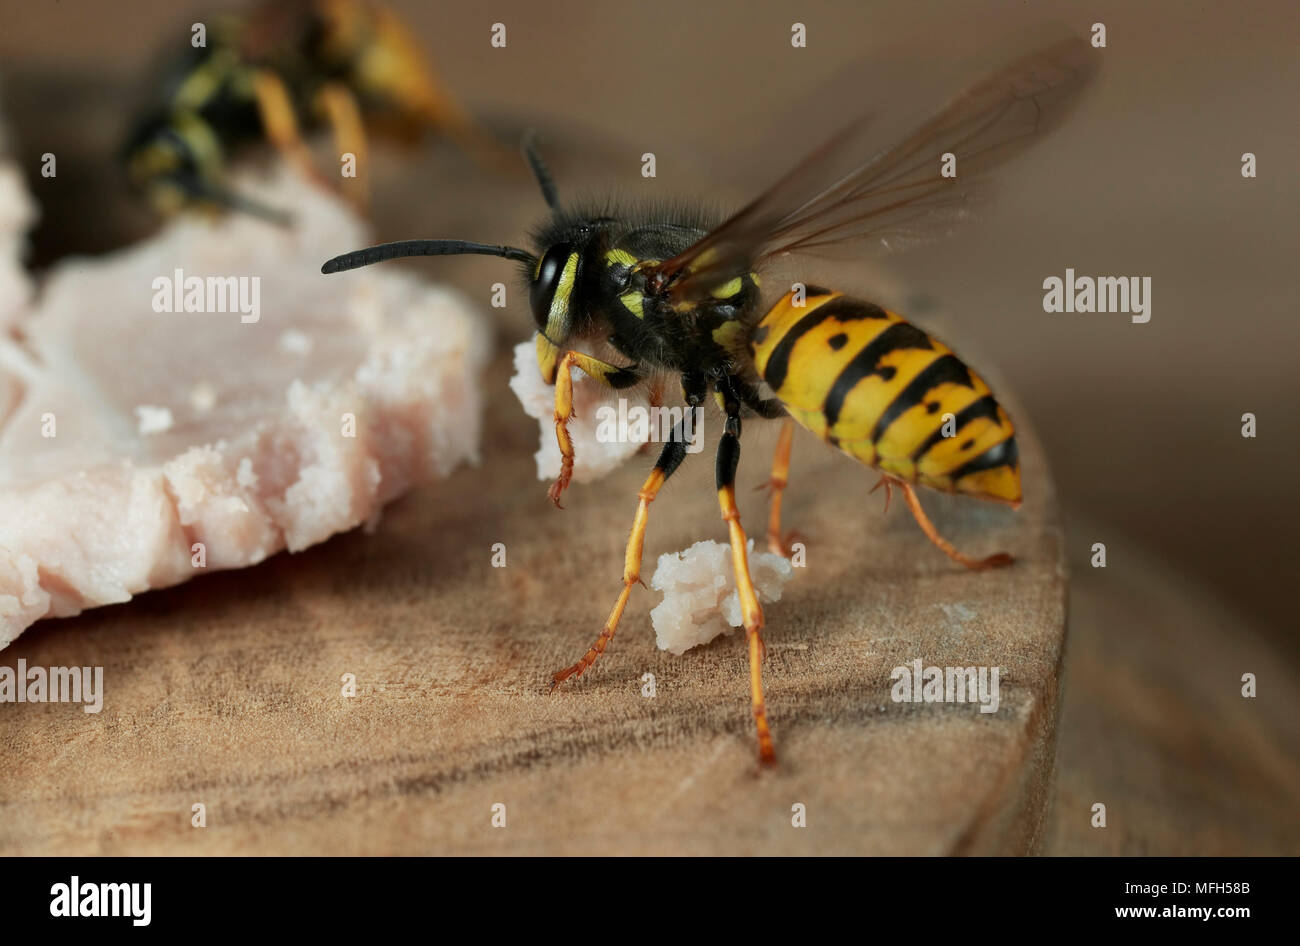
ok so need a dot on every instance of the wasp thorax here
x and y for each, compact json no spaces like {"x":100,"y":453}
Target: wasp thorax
{"x":552,"y":289}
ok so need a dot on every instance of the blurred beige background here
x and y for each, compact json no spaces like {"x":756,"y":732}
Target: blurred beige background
{"x":1141,"y":422}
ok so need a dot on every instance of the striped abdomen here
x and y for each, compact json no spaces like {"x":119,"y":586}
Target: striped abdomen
{"x":880,"y":389}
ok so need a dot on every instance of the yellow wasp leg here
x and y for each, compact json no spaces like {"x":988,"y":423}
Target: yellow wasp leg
{"x":751,"y":610}
{"x":563,"y":412}
{"x":603,"y":372}
{"x":888,"y":483}
{"x":976,"y":564}
{"x":780,"y":477}
{"x":343,"y":114}
{"x":276,"y":110}
{"x":669,"y":459}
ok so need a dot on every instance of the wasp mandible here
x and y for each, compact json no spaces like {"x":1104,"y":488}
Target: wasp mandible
{"x":681,"y":296}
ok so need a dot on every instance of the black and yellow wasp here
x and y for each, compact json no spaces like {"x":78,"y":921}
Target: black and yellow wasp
{"x":265,"y":77}
{"x":682,"y":296}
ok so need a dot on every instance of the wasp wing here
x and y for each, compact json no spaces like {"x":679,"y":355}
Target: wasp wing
{"x":897,"y":196}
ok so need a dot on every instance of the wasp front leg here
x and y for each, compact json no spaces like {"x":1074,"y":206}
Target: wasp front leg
{"x":607,"y":374}
{"x":751,"y":611}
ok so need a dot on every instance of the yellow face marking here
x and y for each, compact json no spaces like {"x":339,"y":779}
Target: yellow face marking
{"x":555,"y":319}
{"x":633,"y":302}
{"x":547,"y":355}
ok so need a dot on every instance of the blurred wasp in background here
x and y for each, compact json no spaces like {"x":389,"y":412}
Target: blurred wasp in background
{"x":285,"y":67}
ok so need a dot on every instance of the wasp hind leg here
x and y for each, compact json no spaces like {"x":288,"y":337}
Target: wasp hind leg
{"x":670,"y":458}
{"x":771,"y":409}
{"x":751,"y":610}
{"x":777,"y":483}
{"x":997,"y":560}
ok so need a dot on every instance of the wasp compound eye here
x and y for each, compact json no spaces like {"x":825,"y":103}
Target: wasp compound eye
{"x":551,"y":289}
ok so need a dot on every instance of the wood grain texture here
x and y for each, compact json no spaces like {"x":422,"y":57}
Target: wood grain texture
{"x":227,"y":691}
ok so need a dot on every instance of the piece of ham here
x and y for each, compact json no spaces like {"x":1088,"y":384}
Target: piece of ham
{"x":700,"y":597}
{"x":139,"y":447}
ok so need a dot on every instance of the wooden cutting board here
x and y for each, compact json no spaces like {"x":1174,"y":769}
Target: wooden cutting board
{"x":227,"y":692}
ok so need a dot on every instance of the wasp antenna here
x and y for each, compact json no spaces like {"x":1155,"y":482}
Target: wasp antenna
{"x":387,"y":251}
{"x":540,"y":170}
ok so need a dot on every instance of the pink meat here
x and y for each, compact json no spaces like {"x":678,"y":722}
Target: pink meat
{"x":135,"y":444}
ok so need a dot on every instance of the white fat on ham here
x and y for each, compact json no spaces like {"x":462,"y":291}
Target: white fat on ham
{"x":142,"y":447}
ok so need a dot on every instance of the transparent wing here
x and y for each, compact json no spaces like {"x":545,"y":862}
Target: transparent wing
{"x":896,"y":197}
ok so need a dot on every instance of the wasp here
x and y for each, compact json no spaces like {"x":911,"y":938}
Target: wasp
{"x":681,"y":295}
{"x":266,"y":77}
